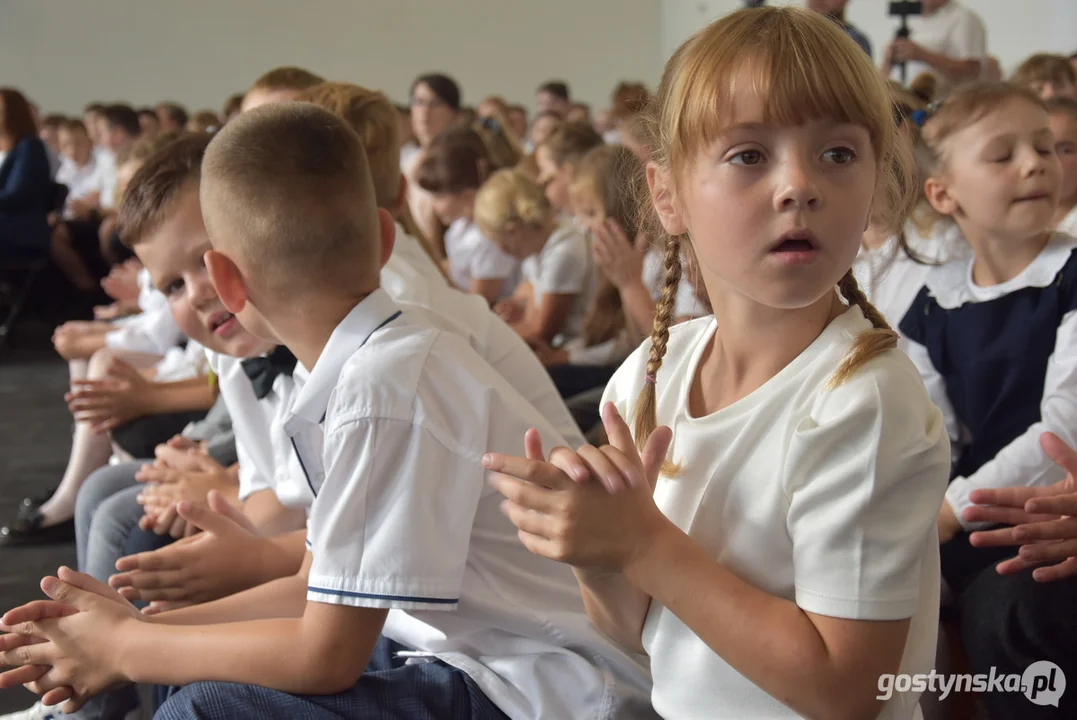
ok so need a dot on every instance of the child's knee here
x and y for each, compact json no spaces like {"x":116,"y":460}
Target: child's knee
{"x":101,"y":362}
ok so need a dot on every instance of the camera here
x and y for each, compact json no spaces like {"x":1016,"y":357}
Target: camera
{"x":904,"y":10}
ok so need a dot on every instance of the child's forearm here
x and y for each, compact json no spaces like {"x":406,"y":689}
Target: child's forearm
{"x":284,"y":597}
{"x":769,"y":640}
{"x":270,"y":652}
{"x":270,"y":517}
{"x":179,"y":396}
{"x":639,"y":309}
{"x":615,"y":607}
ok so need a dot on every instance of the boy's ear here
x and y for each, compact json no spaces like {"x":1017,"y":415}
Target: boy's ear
{"x":664,"y":202}
{"x":939,"y":197}
{"x":387,"y":228}
{"x":227,"y":280}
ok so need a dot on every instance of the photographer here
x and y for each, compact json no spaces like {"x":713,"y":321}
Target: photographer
{"x":948,"y":40}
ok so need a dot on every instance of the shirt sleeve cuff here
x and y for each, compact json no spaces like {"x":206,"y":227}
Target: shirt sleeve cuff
{"x":957,"y":495}
{"x":856,"y":608}
{"x":399,"y":596}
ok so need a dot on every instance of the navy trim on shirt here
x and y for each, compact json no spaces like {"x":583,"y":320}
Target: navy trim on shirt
{"x":395,"y":598}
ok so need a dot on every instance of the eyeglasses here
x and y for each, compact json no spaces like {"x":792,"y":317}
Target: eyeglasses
{"x":431,"y":103}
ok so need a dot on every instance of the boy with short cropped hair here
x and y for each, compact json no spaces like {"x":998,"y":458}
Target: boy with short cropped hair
{"x":390,"y":429}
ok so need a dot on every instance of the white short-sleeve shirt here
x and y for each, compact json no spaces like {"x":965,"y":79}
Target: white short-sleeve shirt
{"x":252,"y":422}
{"x":952,"y":30}
{"x":412,"y":280}
{"x":390,"y":428}
{"x":80,"y":181}
{"x":473,"y":256}
{"x":685,"y":305}
{"x":564,"y":267}
{"x":106,"y":160}
{"x":181,"y":363}
{"x":154,"y":332}
{"x":826,"y":498}
{"x":891,"y":279}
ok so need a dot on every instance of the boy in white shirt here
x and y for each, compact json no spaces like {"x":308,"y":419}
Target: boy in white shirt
{"x":948,"y":39}
{"x":403,"y":523}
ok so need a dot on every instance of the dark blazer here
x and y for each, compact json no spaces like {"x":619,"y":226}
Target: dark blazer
{"x":26,"y":192}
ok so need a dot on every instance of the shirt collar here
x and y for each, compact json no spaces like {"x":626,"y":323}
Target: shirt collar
{"x":951,"y":284}
{"x":354,"y":330}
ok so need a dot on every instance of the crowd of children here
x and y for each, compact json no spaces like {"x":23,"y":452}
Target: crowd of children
{"x":730,"y":401}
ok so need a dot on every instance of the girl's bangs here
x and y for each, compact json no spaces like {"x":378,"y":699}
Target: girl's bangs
{"x":804,"y":71}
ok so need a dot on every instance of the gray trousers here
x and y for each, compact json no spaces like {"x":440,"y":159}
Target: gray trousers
{"x":105,"y":512}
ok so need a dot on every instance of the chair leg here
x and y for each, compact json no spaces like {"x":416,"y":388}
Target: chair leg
{"x":16,"y":307}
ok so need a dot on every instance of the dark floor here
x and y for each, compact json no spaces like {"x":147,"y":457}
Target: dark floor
{"x":35,"y":429}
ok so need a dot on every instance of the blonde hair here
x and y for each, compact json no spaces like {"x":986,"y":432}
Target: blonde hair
{"x":966,"y":105}
{"x":570,"y":142}
{"x":804,"y":67}
{"x":615,"y":178}
{"x":374,"y":119}
{"x":287,"y":192}
{"x":510,"y":197}
{"x":286,"y":78}
{"x":1043,"y":68}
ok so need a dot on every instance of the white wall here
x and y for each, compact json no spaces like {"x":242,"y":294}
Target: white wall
{"x":65,"y":53}
{"x":1015,"y":28}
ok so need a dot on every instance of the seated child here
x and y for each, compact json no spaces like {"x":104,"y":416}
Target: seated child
{"x":550,"y":304}
{"x":453,"y":168}
{"x":1063,"y":119}
{"x":609,"y":182}
{"x":1050,"y":76}
{"x":279,"y":85}
{"x":992,"y":335}
{"x":500,"y":633}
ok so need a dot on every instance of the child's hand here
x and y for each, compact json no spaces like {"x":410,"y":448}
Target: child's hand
{"x":77,"y":639}
{"x":618,"y":257}
{"x":210,"y":565}
{"x":183,"y":455}
{"x":948,"y":524}
{"x":109,"y":403}
{"x":1044,"y":519}
{"x":509,"y":310}
{"x":121,"y":284}
{"x":167,"y":485}
{"x":593,"y":509}
{"x":548,"y":356}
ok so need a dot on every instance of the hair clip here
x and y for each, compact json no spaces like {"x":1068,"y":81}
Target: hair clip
{"x":919,"y":117}
{"x":491,"y":124}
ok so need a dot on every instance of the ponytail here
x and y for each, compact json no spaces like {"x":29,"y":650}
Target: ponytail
{"x":867,"y":345}
{"x":646,"y":413}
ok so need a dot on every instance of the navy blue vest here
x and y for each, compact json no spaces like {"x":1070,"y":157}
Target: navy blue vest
{"x":993,"y":358}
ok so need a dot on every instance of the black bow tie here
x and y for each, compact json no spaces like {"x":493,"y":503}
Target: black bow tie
{"x":262,"y":371}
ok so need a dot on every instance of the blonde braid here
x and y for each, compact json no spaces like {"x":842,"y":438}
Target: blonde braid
{"x":868,"y":345}
{"x":646,"y":415}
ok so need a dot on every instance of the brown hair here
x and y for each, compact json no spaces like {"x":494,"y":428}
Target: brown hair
{"x":73,"y":125}
{"x":1044,"y":68}
{"x":629,"y":98}
{"x":54,"y":120}
{"x":615,"y":178}
{"x":232,"y":106}
{"x":18,"y":117}
{"x":286,"y":191}
{"x":149,"y":196}
{"x":203,"y":121}
{"x":570,"y":142}
{"x":966,"y":105}
{"x":287,"y":78}
{"x":1063,"y":105}
{"x":374,"y":119}
{"x":803,"y":66}
{"x":460,"y":158}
